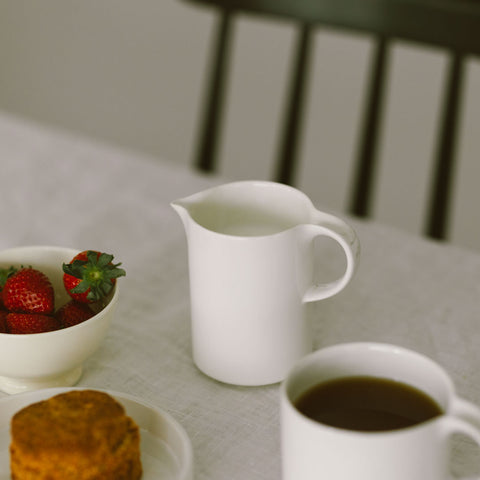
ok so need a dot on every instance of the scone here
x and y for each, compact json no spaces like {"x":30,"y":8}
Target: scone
{"x":78,"y":435}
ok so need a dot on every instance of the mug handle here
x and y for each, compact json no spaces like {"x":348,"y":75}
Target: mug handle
{"x":330,"y":226}
{"x":464,"y":418}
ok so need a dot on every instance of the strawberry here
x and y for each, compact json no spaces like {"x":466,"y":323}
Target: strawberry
{"x":31,"y":323}
{"x":90,"y":276}
{"x":73,"y":313}
{"x":29,"y":291}
{"x":4,"y":274}
{"x":3,"y":321}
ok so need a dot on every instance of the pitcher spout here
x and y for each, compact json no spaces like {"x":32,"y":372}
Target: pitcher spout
{"x":187,"y":206}
{"x":181,"y":207}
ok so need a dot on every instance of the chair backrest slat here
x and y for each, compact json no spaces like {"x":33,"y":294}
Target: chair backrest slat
{"x":364,"y":175}
{"x":290,"y":135}
{"x":443,"y":171}
{"x":211,"y":123}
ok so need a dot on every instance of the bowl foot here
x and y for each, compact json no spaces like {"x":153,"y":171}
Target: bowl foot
{"x":19,"y":385}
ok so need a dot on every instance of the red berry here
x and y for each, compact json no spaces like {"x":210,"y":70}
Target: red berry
{"x":90,"y":276}
{"x":5,"y":273}
{"x":3,"y":322}
{"x":73,"y":313}
{"x":29,"y":291}
{"x":31,"y":323}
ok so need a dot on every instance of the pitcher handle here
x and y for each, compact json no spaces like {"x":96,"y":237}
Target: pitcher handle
{"x":330,"y":226}
{"x":464,"y":419}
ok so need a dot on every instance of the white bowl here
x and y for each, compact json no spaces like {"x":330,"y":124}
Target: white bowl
{"x":50,"y":359}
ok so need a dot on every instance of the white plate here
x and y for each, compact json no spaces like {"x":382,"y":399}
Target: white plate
{"x":165,"y":447}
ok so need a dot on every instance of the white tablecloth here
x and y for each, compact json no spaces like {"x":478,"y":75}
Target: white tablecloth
{"x":59,"y":189}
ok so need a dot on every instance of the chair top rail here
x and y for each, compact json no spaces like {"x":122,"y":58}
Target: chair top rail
{"x":452,"y":24}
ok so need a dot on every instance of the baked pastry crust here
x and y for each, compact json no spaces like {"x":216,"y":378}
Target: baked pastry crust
{"x":77,"y":435}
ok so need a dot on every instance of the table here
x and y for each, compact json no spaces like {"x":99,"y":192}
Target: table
{"x":61,"y":189}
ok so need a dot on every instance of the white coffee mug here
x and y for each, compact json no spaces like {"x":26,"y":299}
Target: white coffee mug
{"x":312,"y":450}
{"x":251,"y":267}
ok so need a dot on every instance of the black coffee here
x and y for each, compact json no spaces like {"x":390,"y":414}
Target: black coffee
{"x":367,"y":404}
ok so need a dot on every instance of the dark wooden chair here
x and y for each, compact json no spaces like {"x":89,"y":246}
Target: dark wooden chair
{"x":453,"y":25}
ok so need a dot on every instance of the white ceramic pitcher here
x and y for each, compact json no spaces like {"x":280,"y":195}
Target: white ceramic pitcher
{"x":251,"y":267}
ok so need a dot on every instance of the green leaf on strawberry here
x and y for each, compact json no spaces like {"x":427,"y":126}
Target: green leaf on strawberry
{"x":5,"y":273}
{"x":90,"y":276}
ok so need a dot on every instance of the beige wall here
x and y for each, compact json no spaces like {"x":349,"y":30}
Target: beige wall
{"x":132,"y":72}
